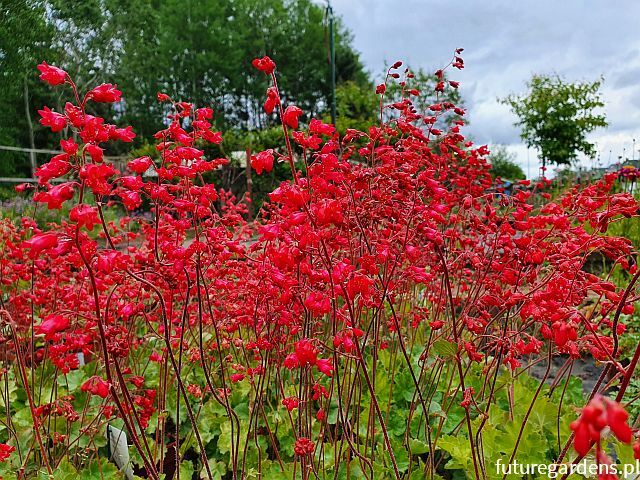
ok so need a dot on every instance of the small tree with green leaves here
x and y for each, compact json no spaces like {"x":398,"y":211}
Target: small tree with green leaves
{"x":556,"y":116}
{"x":503,"y":164}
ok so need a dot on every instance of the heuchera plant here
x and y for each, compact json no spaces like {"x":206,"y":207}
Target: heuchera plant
{"x":381,"y":308}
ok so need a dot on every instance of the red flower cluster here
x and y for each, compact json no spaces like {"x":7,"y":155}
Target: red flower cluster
{"x":390,"y":241}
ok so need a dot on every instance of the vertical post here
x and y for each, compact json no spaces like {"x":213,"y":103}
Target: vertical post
{"x":32,"y":145}
{"x":332,"y":53}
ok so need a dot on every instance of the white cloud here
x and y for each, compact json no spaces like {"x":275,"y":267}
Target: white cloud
{"x":505,"y":43}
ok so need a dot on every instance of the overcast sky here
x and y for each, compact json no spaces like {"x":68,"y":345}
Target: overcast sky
{"x":505,"y":43}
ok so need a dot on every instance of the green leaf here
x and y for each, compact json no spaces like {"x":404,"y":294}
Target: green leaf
{"x":65,"y":471}
{"x":186,"y":470}
{"x":445,"y":348}
{"x":418,"y":447}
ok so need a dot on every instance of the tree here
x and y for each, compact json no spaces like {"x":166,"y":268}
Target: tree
{"x":357,"y":106}
{"x":24,"y":35}
{"x":503,"y":164}
{"x":196,"y":51}
{"x":556,"y":117}
{"x":201,"y":51}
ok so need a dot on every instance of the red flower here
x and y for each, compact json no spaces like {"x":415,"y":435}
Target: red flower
{"x":306,"y":352}
{"x":52,"y":119}
{"x":617,"y":419}
{"x":262,"y":162}
{"x":106,"y":93}
{"x":291,"y":403}
{"x":51,"y":325}
{"x":264,"y":64}
{"x":84,"y":216}
{"x":599,"y":413}
{"x":380,"y":89}
{"x":318,"y":127}
{"x":290,"y":116}
{"x":156,"y":357}
{"x":95,"y":152}
{"x":130,"y":200}
{"x":303,"y":447}
{"x":40,"y":242}
{"x":325,"y":366}
{"x":52,"y":75}
{"x":69,"y":146}
{"x":318,"y":303}
{"x":291,"y":361}
{"x":55,"y":196}
{"x":96,"y":386}
{"x":123,"y":134}
{"x":5,"y":451}
{"x":272,"y":100}
{"x":140,"y":165}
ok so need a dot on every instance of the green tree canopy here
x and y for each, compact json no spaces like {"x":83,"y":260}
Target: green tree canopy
{"x":556,"y":116}
{"x":503,"y":164}
{"x":194,"y":50}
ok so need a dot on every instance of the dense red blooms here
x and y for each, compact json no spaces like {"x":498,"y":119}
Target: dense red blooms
{"x":387,"y":251}
{"x":303,"y":447}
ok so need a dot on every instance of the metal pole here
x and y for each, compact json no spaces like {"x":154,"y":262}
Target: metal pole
{"x":332,"y":49}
